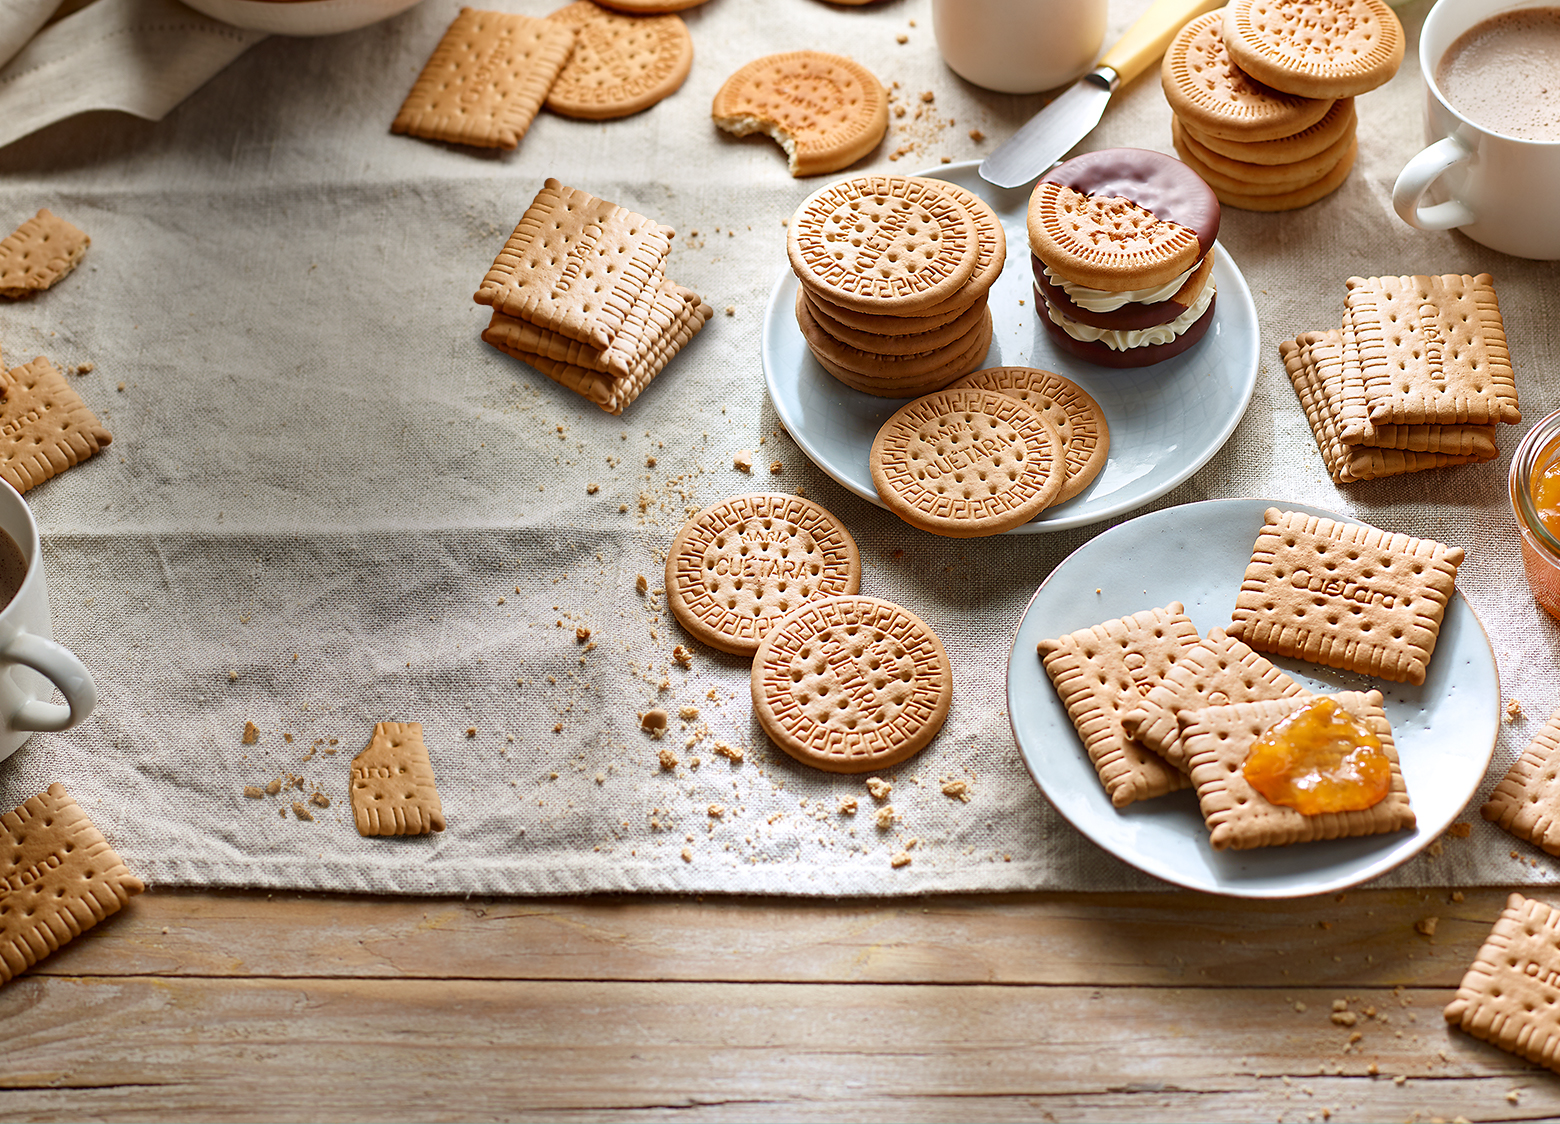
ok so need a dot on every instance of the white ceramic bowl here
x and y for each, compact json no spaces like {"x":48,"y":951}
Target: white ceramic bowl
{"x":301,"y":17}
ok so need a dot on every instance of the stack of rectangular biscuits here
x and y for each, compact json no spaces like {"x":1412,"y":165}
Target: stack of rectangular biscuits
{"x":1417,"y":377}
{"x":1258,"y":148}
{"x":888,"y":345}
{"x":580,"y":292}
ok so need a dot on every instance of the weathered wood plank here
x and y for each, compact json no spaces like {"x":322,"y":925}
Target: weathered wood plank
{"x":170,"y":1048}
{"x":1185,"y":939}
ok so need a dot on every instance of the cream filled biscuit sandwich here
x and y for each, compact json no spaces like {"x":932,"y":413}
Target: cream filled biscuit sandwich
{"x":1122,"y":241}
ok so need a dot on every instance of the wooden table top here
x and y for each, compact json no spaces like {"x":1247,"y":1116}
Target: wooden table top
{"x":198,"y":1005}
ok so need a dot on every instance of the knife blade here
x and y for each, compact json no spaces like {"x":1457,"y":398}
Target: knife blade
{"x":1050,"y":134}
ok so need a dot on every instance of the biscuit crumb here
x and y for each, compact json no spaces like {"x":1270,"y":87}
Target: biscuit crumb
{"x":471,"y":731}
{"x":1513,"y":710}
{"x":977,"y":136}
{"x":274,"y":787}
{"x":776,"y":467}
{"x":688,"y":713}
{"x":901,"y":38}
{"x":320,"y":800}
{"x":86,"y":368}
{"x":1372,"y":1069}
{"x":879,"y":788}
{"x":582,"y":634}
{"x":899,"y":860}
{"x":1513,"y":1096}
{"x":302,"y":813}
{"x":653,"y":722}
{"x":716,"y":811}
{"x":592,"y":488}
{"x":1460,"y":830}
{"x":668,"y":759}
{"x":641,"y":584}
{"x":742,"y":461}
{"x":886,"y":817}
{"x":731,"y":310}
{"x":847,"y":806}
{"x":254,"y":792}
{"x":251,"y":733}
{"x":232,"y":676}
{"x":958,"y":790}
{"x":732,"y":753}
{"x":687,"y":855}
{"x":682,"y":656}
{"x":1425,"y":926}
{"x":1344,"y":1018}
{"x":1457,"y":895}
{"x":928,"y":97}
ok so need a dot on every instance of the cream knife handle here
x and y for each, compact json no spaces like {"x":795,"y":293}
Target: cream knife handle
{"x":1146,"y":40}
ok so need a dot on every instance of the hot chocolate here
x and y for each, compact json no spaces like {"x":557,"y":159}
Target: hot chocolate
{"x":1504,"y":74}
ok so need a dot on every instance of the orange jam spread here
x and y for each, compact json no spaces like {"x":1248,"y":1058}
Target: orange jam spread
{"x":1320,"y":759}
{"x":1545,"y":490}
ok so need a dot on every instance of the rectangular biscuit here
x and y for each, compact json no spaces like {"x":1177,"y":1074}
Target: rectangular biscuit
{"x":1345,"y":595}
{"x":1216,"y":741}
{"x":58,"y":878}
{"x":1527,"y":800}
{"x":45,"y":427}
{"x":1103,"y":672}
{"x":575,"y":265}
{"x":1432,"y":350}
{"x":1508,"y":997}
{"x":680,"y":312}
{"x":1312,"y":362}
{"x":393,"y":790}
{"x":642,"y":329}
{"x":38,"y":253}
{"x":1216,"y":671}
{"x":486,"y":79}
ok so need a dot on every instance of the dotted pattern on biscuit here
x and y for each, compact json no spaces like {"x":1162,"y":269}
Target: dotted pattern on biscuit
{"x":45,"y":427}
{"x":833,"y":108}
{"x":621,"y":64}
{"x":392,"y":787}
{"x":1510,"y":995}
{"x":59,"y":877}
{"x":1216,"y":741}
{"x":1202,"y":82}
{"x":1345,"y":595}
{"x":1526,"y":802}
{"x":1096,"y":672}
{"x":485,"y":80}
{"x":38,"y":253}
{"x":1433,"y":350}
{"x":740,"y":565}
{"x":1106,"y":242}
{"x":1077,"y":416}
{"x":1317,"y":48}
{"x":851,"y":684}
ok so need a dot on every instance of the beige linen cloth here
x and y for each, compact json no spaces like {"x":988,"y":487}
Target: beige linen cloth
{"x":328,"y":503}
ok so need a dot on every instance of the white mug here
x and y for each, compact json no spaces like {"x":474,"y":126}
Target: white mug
{"x":32,"y":665}
{"x":1019,"y":46}
{"x":1498,"y":190}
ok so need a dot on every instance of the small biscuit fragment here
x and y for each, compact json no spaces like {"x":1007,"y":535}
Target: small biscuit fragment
{"x":393,"y":790}
{"x":58,"y":878}
{"x":486,"y":79}
{"x":1345,"y":595}
{"x":45,"y":427}
{"x":1508,"y":996}
{"x":1103,"y":672}
{"x":38,"y":253}
{"x":1527,"y":800}
{"x":1216,"y":741}
{"x":827,"y":111}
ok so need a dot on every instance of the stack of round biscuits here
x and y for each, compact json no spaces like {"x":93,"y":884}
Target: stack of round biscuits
{"x":1263,"y":94}
{"x":1122,"y":242}
{"x":894,"y":272}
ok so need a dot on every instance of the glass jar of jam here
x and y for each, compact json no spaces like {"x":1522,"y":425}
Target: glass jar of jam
{"x":1535,"y":500}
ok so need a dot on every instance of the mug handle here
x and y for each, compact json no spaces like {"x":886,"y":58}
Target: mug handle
{"x":1415,"y":179}
{"x":67,"y":673}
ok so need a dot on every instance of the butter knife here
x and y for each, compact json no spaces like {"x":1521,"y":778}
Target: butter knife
{"x":1048,"y":136}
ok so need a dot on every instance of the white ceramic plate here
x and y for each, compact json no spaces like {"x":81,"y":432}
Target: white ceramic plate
{"x":301,"y":17}
{"x":1166,"y":421}
{"x":1445,"y":730}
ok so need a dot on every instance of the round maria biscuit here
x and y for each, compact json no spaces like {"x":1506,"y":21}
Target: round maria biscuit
{"x":879,"y":325}
{"x":1146,"y":355}
{"x":621,"y":64}
{"x":873,"y":364}
{"x":989,"y":234}
{"x":894,"y":382}
{"x":892,"y":245}
{"x":1338,"y":123}
{"x":1205,"y":87}
{"x":1315,"y":48}
{"x":851,"y":684}
{"x":738,"y":566}
{"x":969,"y":462}
{"x":1122,"y":218}
{"x":826,"y":111}
{"x":1300,"y":197}
{"x":1238,"y":172}
{"x":917,"y":343}
{"x":1066,"y":405}
{"x":1134,"y":315}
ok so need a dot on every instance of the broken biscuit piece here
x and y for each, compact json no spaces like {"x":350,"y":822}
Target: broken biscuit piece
{"x":393,"y":790}
{"x":38,"y":253}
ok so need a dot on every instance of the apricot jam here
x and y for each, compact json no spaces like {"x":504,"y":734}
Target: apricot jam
{"x":1545,"y":489}
{"x":1320,"y":759}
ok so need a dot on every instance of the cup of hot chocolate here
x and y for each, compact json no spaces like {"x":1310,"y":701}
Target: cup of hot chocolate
{"x":1492,"y":115}
{"x":32,"y":665}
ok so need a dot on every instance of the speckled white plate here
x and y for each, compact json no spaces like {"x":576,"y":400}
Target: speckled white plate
{"x":1166,"y":421}
{"x":1445,"y":730}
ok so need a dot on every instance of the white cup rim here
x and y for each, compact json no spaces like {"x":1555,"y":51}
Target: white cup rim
{"x":1429,"y":66}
